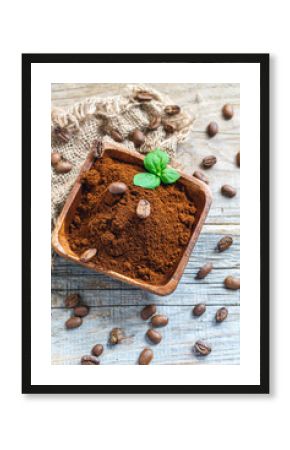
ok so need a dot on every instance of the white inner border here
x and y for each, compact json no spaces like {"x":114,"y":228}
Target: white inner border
{"x":248,"y":372}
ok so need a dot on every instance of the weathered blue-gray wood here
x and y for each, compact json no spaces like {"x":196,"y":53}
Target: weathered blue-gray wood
{"x":114,"y":304}
{"x":175,"y":348}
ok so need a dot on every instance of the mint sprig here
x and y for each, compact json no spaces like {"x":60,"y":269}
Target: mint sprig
{"x":156,"y":164}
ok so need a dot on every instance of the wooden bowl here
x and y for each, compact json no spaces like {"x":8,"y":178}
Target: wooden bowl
{"x":198,"y":190}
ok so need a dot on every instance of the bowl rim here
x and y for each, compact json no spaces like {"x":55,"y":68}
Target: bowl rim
{"x":172,"y":283}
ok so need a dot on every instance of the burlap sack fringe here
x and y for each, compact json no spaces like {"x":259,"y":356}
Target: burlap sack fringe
{"x":95,"y":117}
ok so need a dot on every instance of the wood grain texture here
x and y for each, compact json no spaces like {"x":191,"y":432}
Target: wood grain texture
{"x":116,"y":304}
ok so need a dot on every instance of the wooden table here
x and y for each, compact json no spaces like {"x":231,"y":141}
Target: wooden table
{"x":114,"y":304}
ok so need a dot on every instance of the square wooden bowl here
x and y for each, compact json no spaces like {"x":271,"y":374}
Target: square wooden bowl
{"x":197,"y":190}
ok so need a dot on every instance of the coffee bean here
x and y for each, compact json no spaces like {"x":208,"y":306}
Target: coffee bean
{"x":116,"y":336}
{"x":209,"y":161}
{"x":88,"y":254}
{"x":199,"y":309}
{"x":143,"y":96}
{"x":55,"y":158}
{"x":232,"y":283}
{"x":224,"y":243}
{"x":97,"y":350}
{"x":63,"y":167}
{"x":204,"y":271}
{"x":145,"y":357}
{"x":72,"y":300}
{"x":159,"y":320}
{"x":117,"y":187}
{"x":201,"y":176}
{"x":212,"y":129}
{"x":228,"y":191}
{"x":201,"y":348}
{"x":148,"y":311}
{"x":238,"y":159}
{"x":89,"y":360}
{"x":137,"y":137}
{"x":73,"y":322}
{"x":154,"y":123}
{"x":169,"y":127}
{"x":143,"y":209}
{"x":154,"y":336}
{"x":171,"y":110}
{"x":81,"y":311}
{"x":221,"y":314}
{"x":228,"y":111}
{"x":116,"y":135}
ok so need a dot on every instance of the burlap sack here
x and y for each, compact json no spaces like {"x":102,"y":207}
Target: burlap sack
{"x":94,"y":118}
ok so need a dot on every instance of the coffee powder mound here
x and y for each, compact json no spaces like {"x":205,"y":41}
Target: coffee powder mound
{"x":147,"y":249}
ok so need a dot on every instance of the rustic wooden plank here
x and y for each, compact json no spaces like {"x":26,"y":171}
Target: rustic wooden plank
{"x":176,"y":347}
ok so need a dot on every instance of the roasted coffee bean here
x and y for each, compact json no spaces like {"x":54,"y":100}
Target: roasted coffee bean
{"x":201,"y":348}
{"x":159,"y":320}
{"x":116,"y":135}
{"x":148,"y":311}
{"x":154,"y":336}
{"x":72,"y":300}
{"x":88,"y":254}
{"x":228,"y":111}
{"x":55,"y":158}
{"x":97,"y":350}
{"x":228,"y":191}
{"x":204,"y":271}
{"x":224,"y":243}
{"x":238,"y":159}
{"x":209,"y":161}
{"x":143,"y":96}
{"x":81,"y":311}
{"x":73,"y":322}
{"x":169,"y":127}
{"x":137,"y":137}
{"x":199,"y":309}
{"x":63,"y":167}
{"x":143,"y":209}
{"x":201,"y":176}
{"x":145,"y":357}
{"x":171,"y":110}
{"x":221,"y":314}
{"x":154,"y":123}
{"x":117,"y":187}
{"x":89,"y":360}
{"x":212,"y":129}
{"x":232,"y":283}
{"x":116,"y":336}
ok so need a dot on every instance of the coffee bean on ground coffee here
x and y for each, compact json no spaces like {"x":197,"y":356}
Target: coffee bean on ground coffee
{"x":145,"y":357}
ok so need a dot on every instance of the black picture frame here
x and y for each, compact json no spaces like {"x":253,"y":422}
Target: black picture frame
{"x":27,"y":61}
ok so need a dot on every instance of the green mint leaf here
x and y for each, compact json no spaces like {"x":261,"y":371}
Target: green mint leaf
{"x":169,"y":176}
{"x":147,"y":180}
{"x":156,"y":161}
